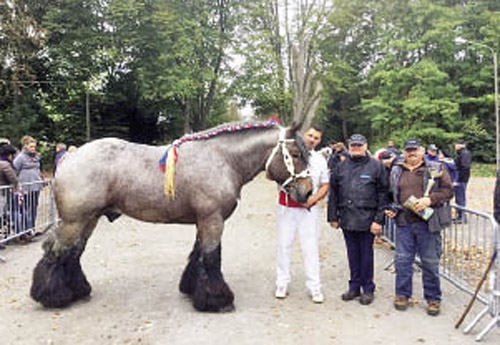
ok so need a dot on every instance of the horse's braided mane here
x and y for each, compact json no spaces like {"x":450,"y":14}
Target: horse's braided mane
{"x":226,"y":128}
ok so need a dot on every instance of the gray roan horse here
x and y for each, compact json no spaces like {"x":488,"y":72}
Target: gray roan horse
{"x":111,"y":177}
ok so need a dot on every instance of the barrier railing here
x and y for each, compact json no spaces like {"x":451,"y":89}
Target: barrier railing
{"x":468,"y":247}
{"x":26,"y":212}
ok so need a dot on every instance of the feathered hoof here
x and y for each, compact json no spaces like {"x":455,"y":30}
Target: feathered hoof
{"x":213,"y":296}
{"x":58,"y":283}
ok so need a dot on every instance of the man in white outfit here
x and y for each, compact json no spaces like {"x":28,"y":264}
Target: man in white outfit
{"x":294,"y":217}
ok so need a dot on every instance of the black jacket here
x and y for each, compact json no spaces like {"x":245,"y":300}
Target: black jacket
{"x":358,"y":193}
{"x":496,"y":199}
{"x":464,"y":162}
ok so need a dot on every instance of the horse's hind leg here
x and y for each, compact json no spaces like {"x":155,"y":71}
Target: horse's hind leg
{"x":202,"y":279}
{"x":58,"y":279}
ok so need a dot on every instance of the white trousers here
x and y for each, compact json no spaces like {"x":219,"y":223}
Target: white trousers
{"x":291,"y":220}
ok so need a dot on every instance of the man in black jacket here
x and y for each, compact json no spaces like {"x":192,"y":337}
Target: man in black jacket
{"x":358,"y":195}
{"x":463,"y":162}
{"x":496,"y":199}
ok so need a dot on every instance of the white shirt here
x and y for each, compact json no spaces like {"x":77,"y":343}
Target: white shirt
{"x":318,"y":169}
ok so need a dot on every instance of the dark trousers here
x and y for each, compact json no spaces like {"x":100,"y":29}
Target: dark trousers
{"x":359,"y":245}
{"x":460,"y":198}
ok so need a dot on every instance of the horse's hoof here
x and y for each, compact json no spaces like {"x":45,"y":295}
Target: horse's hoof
{"x":227,"y":309}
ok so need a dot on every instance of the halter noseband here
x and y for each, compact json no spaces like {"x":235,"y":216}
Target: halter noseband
{"x":287,"y":159}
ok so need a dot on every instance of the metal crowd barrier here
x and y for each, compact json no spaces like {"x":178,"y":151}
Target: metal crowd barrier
{"x":27,"y":212}
{"x":468,"y":247}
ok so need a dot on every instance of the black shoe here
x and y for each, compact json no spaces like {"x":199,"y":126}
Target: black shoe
{"x":349,"y":295}
{"x":366,"y":298}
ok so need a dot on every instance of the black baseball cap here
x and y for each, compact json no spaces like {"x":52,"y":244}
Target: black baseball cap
{"x":357,"y":139}
{"x":412,"y":144}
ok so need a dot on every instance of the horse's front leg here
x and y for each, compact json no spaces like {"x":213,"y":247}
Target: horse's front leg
{"x":58,"y":279}
{"x":202,"y":279}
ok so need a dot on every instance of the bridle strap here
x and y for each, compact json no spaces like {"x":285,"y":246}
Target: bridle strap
{"x":287,"y":158}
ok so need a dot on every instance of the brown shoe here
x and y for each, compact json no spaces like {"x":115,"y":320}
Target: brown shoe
{"x":433,"y":308}
{"x":401,"y":303}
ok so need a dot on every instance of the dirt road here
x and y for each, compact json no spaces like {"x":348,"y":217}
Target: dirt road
{"x":134,"y":269}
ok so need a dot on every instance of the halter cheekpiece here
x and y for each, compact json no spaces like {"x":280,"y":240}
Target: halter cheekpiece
{"x":287,"y":158}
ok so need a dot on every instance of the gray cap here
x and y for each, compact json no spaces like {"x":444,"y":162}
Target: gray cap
{"x":432,"y":147}
{"x":357,"y":139}
{"x":412,"y":144}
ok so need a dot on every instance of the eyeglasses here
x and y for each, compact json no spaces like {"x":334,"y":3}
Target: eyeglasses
{"x":355,"y":145}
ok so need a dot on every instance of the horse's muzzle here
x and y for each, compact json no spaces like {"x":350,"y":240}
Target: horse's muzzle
{"x":300,"y":190}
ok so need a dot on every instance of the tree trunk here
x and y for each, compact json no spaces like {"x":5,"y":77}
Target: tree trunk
{"x":306,"y":88}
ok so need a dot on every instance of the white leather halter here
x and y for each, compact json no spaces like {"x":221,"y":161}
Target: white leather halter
{"x":287,"y":159}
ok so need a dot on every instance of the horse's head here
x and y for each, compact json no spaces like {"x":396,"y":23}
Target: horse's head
{"x":287,"y":164}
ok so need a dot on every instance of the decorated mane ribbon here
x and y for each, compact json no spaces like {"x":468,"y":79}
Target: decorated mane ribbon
{"x":169,"y":159}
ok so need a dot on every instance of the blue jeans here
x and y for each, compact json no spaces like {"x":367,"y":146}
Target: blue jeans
{"x":27,"y":211}
{"x":415,"y":239}
{"x":460,"y":197}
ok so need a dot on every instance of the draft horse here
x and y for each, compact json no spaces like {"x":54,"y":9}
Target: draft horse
{"x":111,"y":177}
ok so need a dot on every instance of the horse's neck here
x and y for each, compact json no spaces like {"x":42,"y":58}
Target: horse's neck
{"x":247,"y":152}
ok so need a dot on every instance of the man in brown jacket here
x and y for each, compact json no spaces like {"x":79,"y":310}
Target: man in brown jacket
{"x":421,"y":192}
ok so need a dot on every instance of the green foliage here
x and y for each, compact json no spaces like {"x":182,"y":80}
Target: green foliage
{"x":155,"y":69}
{"x":484,"y":170}
{"x":395,"y":70}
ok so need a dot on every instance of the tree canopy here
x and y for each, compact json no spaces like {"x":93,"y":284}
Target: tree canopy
{"x":149,"y":71}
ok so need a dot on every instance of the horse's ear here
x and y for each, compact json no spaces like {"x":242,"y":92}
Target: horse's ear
{"x":296,"y":126}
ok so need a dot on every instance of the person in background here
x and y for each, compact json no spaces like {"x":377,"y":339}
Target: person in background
{"x":496,"y":199}
{"x":386,"y":157}
{"x":358,"y":195}
{"x":463,"y":162}
{"x":416,"y":232}
{"x":339,"y":154}
{"x":8,"y":178}
{"x":28,"y":168}
{"x":432,"y":153}
{"x":392,"y":148}
{"x":60,"y":153}
{"x":294,"y":217}
{"x":449,"y":164}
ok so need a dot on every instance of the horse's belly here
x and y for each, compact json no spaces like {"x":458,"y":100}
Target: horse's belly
{"x":152,"y":215}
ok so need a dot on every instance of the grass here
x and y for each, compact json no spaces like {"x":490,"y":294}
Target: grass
{"x":483,"y":170}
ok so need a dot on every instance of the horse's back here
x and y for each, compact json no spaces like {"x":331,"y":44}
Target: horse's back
{"x":106,"y":173}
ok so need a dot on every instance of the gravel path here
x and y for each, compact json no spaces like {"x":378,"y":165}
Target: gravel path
{"x":134,"y":269}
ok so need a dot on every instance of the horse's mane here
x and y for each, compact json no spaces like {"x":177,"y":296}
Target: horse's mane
{"x":167,"y":162}
{"x":235,"y":127}
{"x":232,"y":127}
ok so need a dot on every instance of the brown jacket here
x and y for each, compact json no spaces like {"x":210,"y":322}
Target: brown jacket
{"x":415,"y":183}
{"x":7,"y":175}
